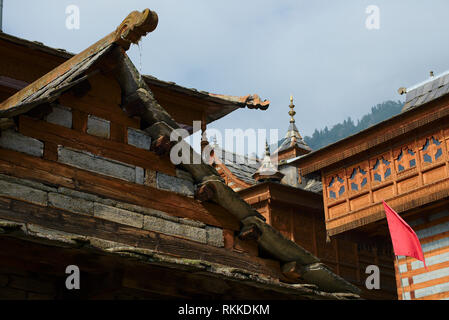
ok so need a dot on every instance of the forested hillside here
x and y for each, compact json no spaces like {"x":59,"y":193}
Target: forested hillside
{"x":378,"y":113}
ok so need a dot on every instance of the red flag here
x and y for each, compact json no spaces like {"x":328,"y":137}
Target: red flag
{"x":405,"y":240}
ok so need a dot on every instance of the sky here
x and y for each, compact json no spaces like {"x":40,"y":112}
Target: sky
{"x":319,"y":51}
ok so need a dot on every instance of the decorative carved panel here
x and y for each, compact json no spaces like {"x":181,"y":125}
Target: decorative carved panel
{"x":358,"y":179}
{"x":406,"y":159}
{"x":336,"y":187}
{"x":432,"y":151}
{"x":410,"y":175}
{"x":381,"y":169}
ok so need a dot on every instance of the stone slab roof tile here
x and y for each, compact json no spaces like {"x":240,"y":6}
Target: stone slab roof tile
{"x":427,"y":92}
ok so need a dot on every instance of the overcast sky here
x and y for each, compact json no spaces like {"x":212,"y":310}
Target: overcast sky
{"x":319,"y":51}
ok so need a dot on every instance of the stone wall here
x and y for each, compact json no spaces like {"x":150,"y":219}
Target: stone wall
{"x":108,"y":209}
{"x":182,"y":183}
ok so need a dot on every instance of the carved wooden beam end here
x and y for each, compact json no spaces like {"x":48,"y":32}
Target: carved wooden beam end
{"x":292,"y":270}
{"x":205,"y":192}
{"x":161,"y":146}
{"x":134,"y":108}
{"x":250,"y":232}
{"x":135,"y":26}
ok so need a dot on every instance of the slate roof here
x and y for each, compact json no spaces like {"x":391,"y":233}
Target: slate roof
{"x":244,"y":168}
{"x":312,"y":185}
{"x":426,"y":92}
{"x":52,"y":87}
{"x":224,"y":104}
{"x":248,"y":101}
{"x":240,"y":166}
{"x":287,"y":141}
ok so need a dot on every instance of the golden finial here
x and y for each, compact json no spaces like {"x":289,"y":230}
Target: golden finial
{"x":292,"y":112}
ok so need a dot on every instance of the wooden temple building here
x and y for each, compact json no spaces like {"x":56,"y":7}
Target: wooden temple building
{"x":293,"y":204}
{"x":86,"y":180}
{"x":405,"y":162}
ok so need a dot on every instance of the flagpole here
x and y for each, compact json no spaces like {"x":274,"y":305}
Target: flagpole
{"x":400,"y":278}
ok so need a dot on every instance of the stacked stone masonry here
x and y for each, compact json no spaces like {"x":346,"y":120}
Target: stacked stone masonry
{"x":111,"y":210}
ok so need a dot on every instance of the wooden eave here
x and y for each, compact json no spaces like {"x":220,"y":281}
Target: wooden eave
{"x":184,"y":104}
{"x":136,"y":25}
{"x":232,"y":176}
{"x":187,"y":104}
{"x":283,"y":193}
{"x":36,"y":46}
{"x":389,"y":131}
{"x":129,"y":267}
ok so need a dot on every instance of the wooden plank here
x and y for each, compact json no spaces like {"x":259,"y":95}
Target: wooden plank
{"x":119,"y":133}
{"x":145,"y":196}
{"x":50,"y":151}
{"x":183,"y":108}
{"x":79,"y":120}
{"x":113,"y":114}
{"x":296,"y":197}
{"x":428,"y":254}
{"x":120,"y":37}
{"x":108,"y":276}
{"x":35,"y":173}
{"x":437,"y":296}
{"x":91,"y":226}
{"x":24,"y":63}
{"x":110,"y":149}
{"x":431,"y":268}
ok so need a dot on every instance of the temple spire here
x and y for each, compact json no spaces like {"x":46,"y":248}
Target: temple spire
{"x":268,"y":171}
{"x":267,"y":149}
{"x":293,"y":144}
{"x":292,"y":111}
{"x":293,"y":132}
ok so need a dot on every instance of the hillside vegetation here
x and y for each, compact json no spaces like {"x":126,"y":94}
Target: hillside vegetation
{"x":379,"y":113}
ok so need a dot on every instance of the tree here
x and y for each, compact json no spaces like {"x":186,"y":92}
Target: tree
{"x":379,"y":113}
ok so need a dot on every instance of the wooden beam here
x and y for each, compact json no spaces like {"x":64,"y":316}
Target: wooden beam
{"x":292,"y":270}
{"x":93,"y":105}
{"x":250,"y":232}
{"x":78,"y":140}
{"x":28,"y":167}
{"x":84,"y":225}
{"x":136,"y":25}
{"x":416,"y":198}
{"x":205,"y":192}
{"x":161,"y":146}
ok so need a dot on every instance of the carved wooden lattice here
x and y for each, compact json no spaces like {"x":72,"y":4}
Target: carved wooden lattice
{"x":336,"y":187}
{"x":381,"y":170}
{"x":358,"y":179}
{"x":432,"y":151}
{"x":406,"y":159}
